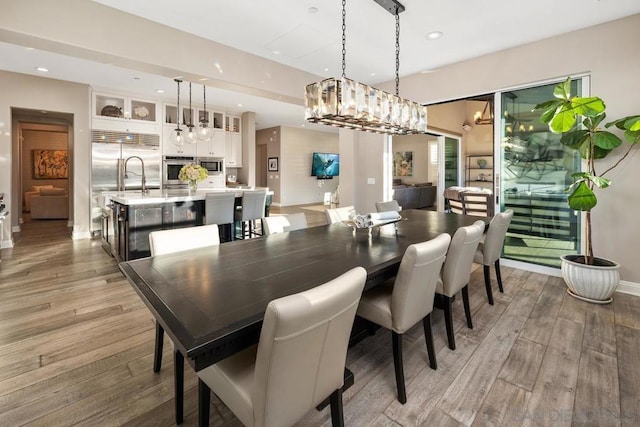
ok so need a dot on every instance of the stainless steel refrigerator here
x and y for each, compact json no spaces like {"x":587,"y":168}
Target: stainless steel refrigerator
{"x":109,"y":151}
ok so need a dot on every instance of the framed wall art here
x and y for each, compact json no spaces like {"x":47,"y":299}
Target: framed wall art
{"x":403,"y":163}
{"x":273,"y":164}
{"x":50,"y":164}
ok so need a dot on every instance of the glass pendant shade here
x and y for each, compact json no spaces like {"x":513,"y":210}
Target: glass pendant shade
{"x":190,"y":136}
{"x":349,"y":104}
{"x":177,"y":137}
{"x":203,"y":132}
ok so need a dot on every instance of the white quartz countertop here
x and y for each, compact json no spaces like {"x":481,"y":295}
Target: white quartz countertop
{"x":136,"y":197}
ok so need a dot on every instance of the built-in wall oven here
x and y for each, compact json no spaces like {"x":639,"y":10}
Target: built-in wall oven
{"x":171,"y":166}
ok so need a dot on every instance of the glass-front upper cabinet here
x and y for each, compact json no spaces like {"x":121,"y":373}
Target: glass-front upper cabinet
{"x":118,"y":107}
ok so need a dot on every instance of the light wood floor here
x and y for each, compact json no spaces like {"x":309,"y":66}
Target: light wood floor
{"x":76,"y":349}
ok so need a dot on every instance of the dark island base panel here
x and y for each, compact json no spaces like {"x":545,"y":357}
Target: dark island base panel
{"x":133,"y":223}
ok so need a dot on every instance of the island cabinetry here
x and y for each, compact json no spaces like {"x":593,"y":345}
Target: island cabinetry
{"x":133,"y":223}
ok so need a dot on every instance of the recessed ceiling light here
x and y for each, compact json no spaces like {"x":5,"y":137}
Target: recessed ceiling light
{"x":204,"y":79}
{"x":42,"y":69}
{"x":218,"y":67}
{"x":276,"y":52}
{"x":159,"y":91}
{"x":312,"y":10}
{"x":433,"y":35}
{"x":43,"y":111}
{"x":326,"y":69}
{"x":178,"y":78}
{"x":30,"y":48}
{"x":239,"y":105}
{"x":372,"y":74}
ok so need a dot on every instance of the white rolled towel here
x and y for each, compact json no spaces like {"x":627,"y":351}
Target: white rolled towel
{"x":384,"y":216}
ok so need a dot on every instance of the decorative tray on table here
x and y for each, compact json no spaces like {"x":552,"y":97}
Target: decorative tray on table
{"x":374,"y":222}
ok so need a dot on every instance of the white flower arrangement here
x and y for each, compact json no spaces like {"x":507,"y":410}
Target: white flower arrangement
{"x":192,"y":174}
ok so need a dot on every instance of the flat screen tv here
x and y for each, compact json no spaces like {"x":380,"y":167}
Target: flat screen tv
{"x":325,"y":165}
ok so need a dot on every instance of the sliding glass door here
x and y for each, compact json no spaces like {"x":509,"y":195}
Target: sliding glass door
{"x":536,"y":169}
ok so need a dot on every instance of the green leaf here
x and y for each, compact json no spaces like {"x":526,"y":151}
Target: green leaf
{"x":575,"y":138}
{"x":582,"y":198}
{"x":563,"y":90}
{"x":632,"y":123}
{"x":606,"y":140}
{"x":591,"y":106}
{"x":598,"y":153}
{"x":580,"y":176}
{"x":563,"y":121}
{"x":632,"y":137}
{"x":555,"y":103}
{"x":594,"y":121}
{"x":600,"y":182}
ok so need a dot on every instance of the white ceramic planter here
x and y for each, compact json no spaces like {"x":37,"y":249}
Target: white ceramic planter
{"x":590,"y":282}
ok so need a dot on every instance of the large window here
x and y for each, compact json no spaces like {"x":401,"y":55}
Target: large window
{"x":536,"y":170}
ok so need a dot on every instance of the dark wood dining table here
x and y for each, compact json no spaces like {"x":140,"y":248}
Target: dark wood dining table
{"x":211,"y":301}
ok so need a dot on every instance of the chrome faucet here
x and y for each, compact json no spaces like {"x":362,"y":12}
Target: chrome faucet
{"x":144,"y":178}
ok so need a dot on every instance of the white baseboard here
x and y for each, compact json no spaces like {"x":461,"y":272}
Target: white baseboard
{"x":6,"y":244}
{"x":78,"y":235}
{"x":630,"y":288}
{"x":624,"y":287}
{"x":16,"y":229}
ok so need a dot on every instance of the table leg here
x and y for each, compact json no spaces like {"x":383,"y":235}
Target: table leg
{"x":204,"y":398}
{"x":178,"y":384}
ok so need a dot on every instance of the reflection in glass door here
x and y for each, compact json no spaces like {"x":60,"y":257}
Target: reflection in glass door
{"x":536,"y":170}
{"x":451,"y":162}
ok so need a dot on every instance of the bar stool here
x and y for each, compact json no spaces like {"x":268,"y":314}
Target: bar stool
{"x":220,"y":209}
{"x":253,"y":207}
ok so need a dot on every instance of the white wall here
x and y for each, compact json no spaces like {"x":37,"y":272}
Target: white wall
{"x":22,"y":91}
{"x":296,"y":150}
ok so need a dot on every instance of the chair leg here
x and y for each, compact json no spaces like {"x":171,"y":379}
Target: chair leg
{"x":467,"y":309}
{"x":428,"y":337}
{"x":178,"y":384}
{"x":157,"y":355}
{"x":337,"y":414}
{"x":499,"y":276}
{"x":487,"y":283}
{"x":397,"y":362}
{"x":448,"y":321}
{"x":204,"y":398}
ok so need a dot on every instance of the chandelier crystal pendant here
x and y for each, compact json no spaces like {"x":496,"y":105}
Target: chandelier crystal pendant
{"x":346,"y":103}
{"x":177,"y":136}
{"x":204,"y":132}
{"x":190,"y":136}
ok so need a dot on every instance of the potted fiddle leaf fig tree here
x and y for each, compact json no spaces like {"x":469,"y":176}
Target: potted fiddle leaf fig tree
{"x":580,"y":121}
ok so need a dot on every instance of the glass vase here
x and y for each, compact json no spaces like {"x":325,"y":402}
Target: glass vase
{"x":193,"y":185}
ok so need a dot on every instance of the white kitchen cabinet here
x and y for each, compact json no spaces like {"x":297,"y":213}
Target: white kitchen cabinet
{"x":216,"y":147}
{"x":233,"y":152}
{"x":120,"y":108}
{"x":169,"y":149}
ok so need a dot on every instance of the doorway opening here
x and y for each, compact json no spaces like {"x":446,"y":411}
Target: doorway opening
{"x":42,"y":169}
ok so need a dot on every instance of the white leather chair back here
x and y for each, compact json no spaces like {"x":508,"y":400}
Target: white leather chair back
{"x":274,"y":224}
{"x":220,"y":207}
{"x":303,"y":347}
{"x":181,"y":239}
{"x":391,"y":205}
{"x":283,"y":223}
{"x":253,"y":204}
{"x":491,"y":248}
{"x":415,"y":284}
{"x":457,"y":266}
{"x":338,"y":214}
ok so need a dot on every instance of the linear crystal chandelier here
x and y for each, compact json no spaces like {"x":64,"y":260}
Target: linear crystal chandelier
{"x":346,"y":103}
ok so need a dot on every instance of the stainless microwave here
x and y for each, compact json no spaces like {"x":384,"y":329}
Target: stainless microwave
{"x":214,"y":165}
{"x":171,"y":166}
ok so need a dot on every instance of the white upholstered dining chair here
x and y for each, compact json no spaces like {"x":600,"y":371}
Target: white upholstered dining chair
{"x":298,"y":362}
{"x":391,"y":205}
{"x":338,"y":214}
{"x":490,"y":249}
{"x":400,"y":304}
{"x":456,"y":272}
{"x":166,"y":242}
{"x":283,"y":223}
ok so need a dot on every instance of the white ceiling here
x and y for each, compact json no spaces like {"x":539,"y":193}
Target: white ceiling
{"x":312,"y":41}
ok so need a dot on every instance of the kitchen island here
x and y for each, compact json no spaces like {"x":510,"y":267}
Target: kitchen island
{"x":135,"y":215}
